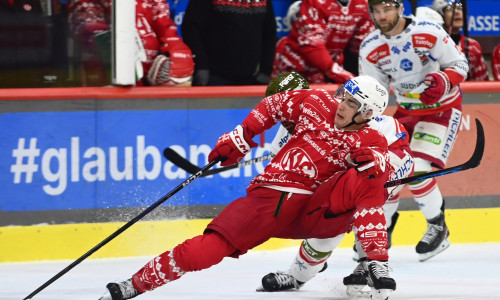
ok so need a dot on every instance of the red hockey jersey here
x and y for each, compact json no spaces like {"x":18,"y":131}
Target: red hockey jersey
{"x":319,"y":36}
{"x":317,"y":148}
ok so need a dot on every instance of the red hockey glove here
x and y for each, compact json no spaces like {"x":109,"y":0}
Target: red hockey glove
{"x":438,"y":84}
{"x":172,"y":69}
{"x":233,"y":145}
{"x":339,"y":74}
{"x":369,"y":163}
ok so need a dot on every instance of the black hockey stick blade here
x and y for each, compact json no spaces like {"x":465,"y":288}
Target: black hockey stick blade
{"x":180,"y":161}
{"x":473,"y":162}
{"x":187,"y":166}
{"x":123,"y":228}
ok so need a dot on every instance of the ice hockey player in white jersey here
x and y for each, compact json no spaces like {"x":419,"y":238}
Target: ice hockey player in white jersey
{"x":313,"y":253}
{"x":424,"y":67}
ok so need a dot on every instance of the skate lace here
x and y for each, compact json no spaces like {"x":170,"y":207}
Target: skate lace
{"x":380,"y":269}
{"x":432,"y":233}
{"x":128,"y":289}
{"x":284,"y":279}
{"x":360,"y":269}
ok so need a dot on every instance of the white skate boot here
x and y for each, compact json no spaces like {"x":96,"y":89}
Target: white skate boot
{"x":120,"y":291}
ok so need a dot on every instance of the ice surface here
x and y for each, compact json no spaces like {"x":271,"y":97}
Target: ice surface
{"x":465,"y":271}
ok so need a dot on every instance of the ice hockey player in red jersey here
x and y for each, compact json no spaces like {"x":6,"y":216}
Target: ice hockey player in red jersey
{"x":418,"y":59}
{"x":320,"y":34}
{"x":453,"y":15}
{"x":168,"y":60}
{"x":313,"y":253}
{"x":327,"y":179}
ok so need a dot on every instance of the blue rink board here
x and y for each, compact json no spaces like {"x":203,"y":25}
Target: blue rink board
{"x":63,"y":160}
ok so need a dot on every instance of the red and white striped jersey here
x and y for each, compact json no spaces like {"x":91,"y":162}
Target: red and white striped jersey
{"x":317,"y":149}
{"x":319,"y":36}
{"x":478,"y":69}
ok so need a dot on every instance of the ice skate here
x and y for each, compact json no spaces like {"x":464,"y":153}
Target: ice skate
{"x":120,"y":291}
{"x":357,"y":282}
{"x":279,"y":281}
{"x":435,"y":239}
{"x":380,"y":282}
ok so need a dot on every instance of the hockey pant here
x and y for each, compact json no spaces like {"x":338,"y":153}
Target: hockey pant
{"x":198,"y":253}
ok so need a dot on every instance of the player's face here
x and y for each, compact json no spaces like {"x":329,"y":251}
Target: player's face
{"x":348,"y":107}
{"x":458,"y":16}
{"x":385,"y":15}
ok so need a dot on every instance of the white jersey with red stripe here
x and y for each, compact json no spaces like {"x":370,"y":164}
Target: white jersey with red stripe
{"x":404,"y":60}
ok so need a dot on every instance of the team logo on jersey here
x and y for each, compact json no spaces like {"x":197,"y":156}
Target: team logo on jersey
{"x":427,"y":137}
{"x":379,"y":53}
{"x":406,"y":65}
{"x":424,"y":40}
{"x":297,"y":160}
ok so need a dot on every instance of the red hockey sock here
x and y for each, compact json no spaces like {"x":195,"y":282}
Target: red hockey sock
{"x":198,"y":253}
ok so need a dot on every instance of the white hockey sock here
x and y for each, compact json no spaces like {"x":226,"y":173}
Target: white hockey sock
{"x":428,"y":197}
{"x":312,"y":255}
{"x":390,"y":208}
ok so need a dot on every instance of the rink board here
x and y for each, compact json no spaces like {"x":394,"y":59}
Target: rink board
{"x":57,"y":242}
{"x":72,"y":196}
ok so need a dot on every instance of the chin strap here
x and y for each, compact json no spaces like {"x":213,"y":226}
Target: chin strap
{"x":354,"y":122}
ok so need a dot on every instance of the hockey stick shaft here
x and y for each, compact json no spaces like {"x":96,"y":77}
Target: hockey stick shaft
{"x":187,"y":166}
{"x":123,"y":228}
{"x":473,"y":162}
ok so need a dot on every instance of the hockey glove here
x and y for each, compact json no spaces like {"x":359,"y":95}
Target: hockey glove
{"x":438,"y":85}
{"x":175,"y":68}
{"x":339,"y":74}
{"x":369,"y":163}
{"x":233,"y":146}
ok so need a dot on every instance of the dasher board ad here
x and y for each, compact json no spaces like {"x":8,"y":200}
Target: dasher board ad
{"x":108,"y":159}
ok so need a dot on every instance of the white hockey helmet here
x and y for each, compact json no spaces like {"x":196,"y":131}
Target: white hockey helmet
{"x":429,"y":14}
{"x":293,"y":13}
{"x":372,"y":96}
{"x":439,"y":5}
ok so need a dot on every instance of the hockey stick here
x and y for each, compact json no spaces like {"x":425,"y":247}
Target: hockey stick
{"x":473,"y":162}
{"x":187,"y":166}
{"x":124,"y":227}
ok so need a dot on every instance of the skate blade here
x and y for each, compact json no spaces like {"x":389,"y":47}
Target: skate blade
{"x":443,"y":246}
{"x":382,"y":294}
{"x":106,"y":296}
{"x":260,"y":288}
{"x":355,"y":292}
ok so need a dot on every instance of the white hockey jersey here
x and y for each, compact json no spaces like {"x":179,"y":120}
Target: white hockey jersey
{"x":404,"y":60}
